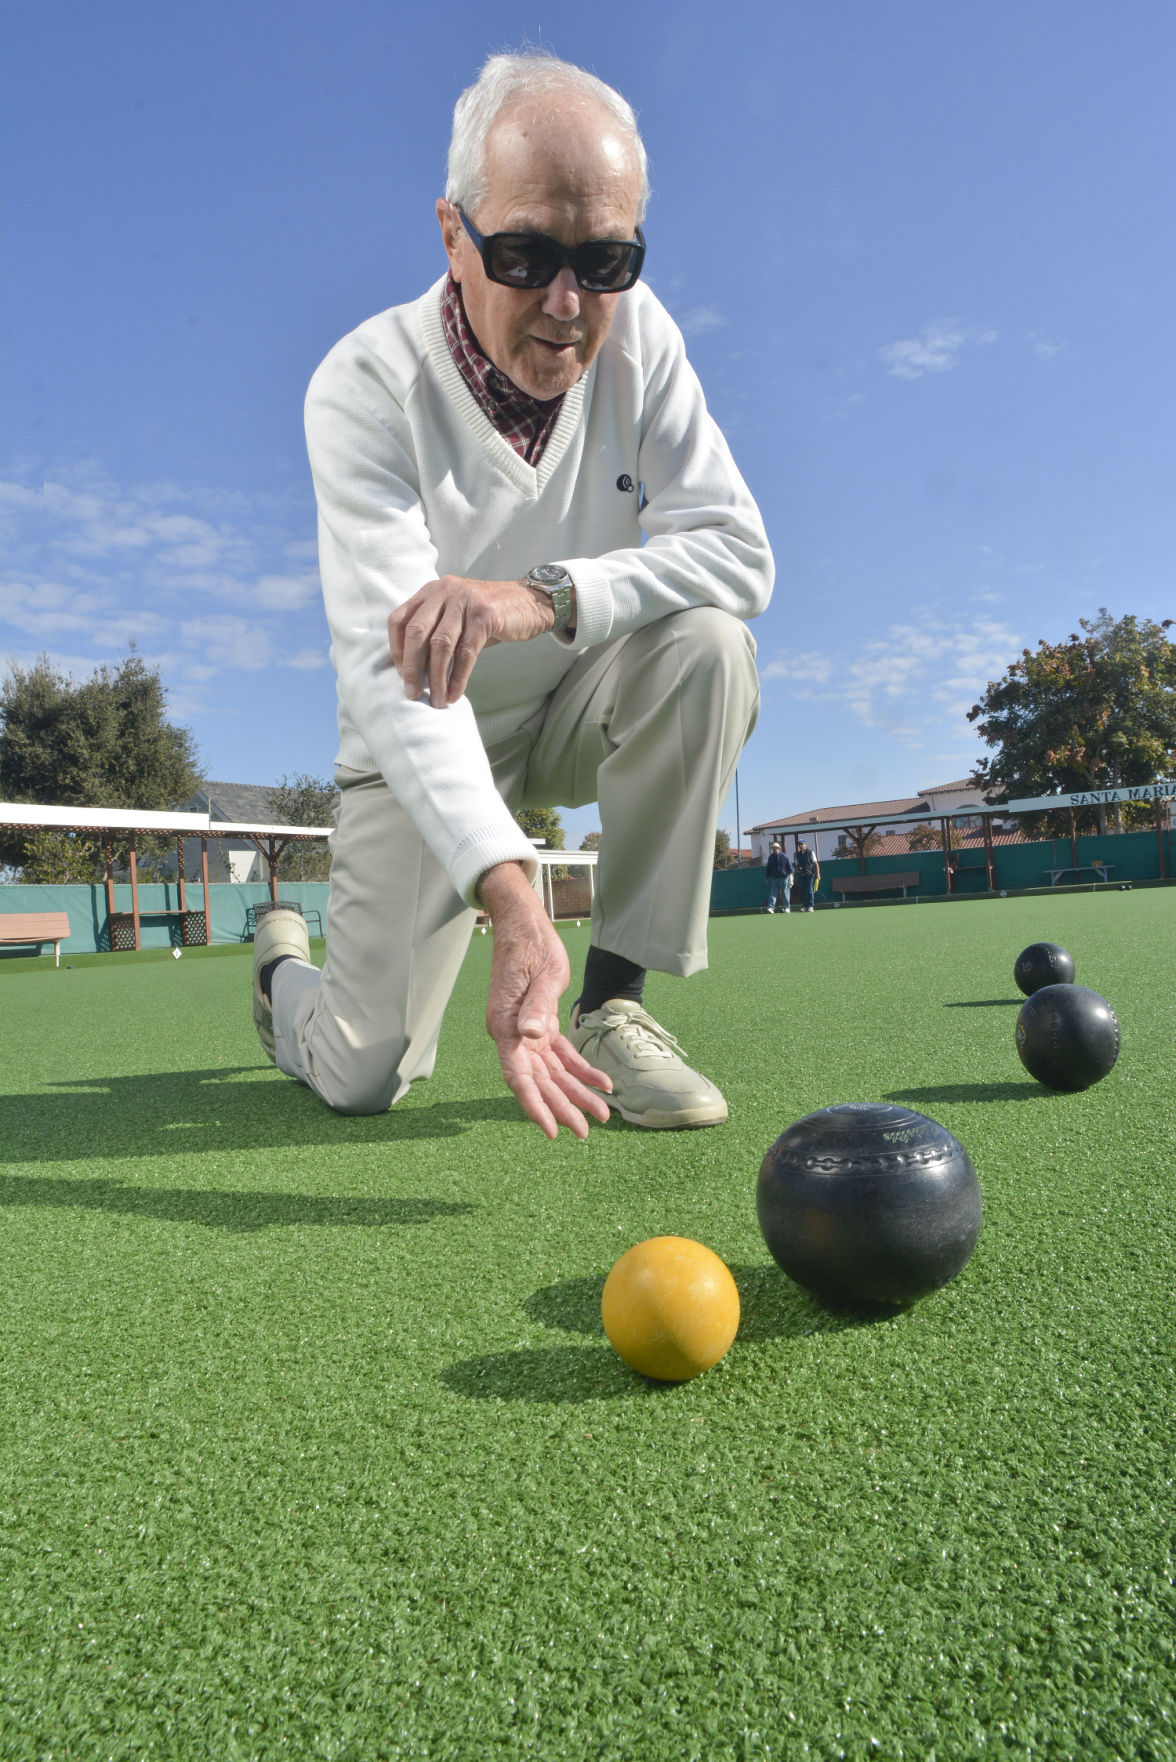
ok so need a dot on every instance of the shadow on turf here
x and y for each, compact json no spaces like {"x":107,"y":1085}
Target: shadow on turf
{"x":771,"y":1307}
{"x":918,"y":1098}
{"x":240,"y":1107}
{"x":235,"y":1212}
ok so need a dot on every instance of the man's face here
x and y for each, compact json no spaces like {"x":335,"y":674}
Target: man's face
{"x":569,"y":173}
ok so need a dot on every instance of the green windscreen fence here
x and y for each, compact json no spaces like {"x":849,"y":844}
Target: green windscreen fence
{"x":1128,"y":856}
{"x":85,"y":906}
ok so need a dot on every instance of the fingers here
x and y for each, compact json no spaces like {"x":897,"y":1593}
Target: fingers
{"x":577,"y":1066}
{"x":547,"y":1092}
{"x":435,"y":637}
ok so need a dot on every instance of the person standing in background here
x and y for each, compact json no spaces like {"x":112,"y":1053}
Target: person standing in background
{"x":807,"y":871}
{"x":779,"y":874}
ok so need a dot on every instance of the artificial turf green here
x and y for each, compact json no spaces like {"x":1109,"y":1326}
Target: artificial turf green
{"x":313,"y":1446}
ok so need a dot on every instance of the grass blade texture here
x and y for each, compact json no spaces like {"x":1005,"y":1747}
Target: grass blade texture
{"x":312,"y":1446}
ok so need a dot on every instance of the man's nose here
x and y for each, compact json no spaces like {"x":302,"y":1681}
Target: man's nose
{"x":562,"y":297}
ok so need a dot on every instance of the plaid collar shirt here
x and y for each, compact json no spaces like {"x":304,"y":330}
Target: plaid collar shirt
{"x":524,"y":421}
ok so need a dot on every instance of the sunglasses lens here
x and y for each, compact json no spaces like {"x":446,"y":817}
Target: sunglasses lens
{"x":604,"y":266}
{"x":521,"y":261}
{"x":528,"y":260}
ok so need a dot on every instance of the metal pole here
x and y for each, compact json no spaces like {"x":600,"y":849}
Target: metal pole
{"x":738,"y":825}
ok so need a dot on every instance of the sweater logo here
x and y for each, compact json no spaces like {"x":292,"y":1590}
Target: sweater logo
{"x":625,"y":483}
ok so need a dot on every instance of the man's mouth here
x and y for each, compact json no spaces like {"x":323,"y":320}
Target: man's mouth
{"x":557,"y":344}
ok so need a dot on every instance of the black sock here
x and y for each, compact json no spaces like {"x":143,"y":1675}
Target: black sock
{"x":266,"y":975}
{"x":609,"y":975}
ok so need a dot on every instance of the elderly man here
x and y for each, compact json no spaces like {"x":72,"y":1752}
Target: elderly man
{"x":538,"y":560}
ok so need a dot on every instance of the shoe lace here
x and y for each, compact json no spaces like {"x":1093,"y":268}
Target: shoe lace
{"x":645,"y":1036}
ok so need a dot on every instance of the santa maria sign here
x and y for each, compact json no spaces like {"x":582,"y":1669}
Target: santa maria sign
{"x":1091,"y":798}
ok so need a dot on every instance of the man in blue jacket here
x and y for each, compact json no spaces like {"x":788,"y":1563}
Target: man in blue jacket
{"x":779,"y":877}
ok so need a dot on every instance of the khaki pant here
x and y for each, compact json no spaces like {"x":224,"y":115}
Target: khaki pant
{"x":651,"y":727}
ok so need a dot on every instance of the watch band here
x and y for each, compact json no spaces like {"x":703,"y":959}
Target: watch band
{"x":554,"y":580}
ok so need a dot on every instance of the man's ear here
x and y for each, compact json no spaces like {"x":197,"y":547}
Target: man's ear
{"x":451,"y":232}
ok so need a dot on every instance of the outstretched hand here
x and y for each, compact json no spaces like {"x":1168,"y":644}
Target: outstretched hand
{"x":528,"y":975}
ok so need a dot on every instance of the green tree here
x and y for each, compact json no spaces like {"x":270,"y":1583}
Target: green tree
{"x":546,"y":824}
{"x":724,"y":855}
{"x":56,"y":857}
{"x":860,"y":841}
{"x":590,"y":841}
{"x":102,"y":743}
{"x":303,"y":800}
{"x":1097,"y":711}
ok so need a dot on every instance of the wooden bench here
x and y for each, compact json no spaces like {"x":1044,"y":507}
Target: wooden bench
{"x":38,"y":927}
{"x":904,"y":878}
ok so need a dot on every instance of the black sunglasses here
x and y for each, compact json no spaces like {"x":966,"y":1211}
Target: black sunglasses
{"x":532,"y":260}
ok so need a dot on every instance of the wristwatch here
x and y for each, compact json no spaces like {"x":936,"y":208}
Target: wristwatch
{"x":554,"y":580}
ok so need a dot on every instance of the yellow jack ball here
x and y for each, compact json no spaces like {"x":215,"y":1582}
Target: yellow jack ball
{"x":670,"y":1308}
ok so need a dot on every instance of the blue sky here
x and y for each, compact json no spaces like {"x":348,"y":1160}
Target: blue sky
{"x":922,"y":253}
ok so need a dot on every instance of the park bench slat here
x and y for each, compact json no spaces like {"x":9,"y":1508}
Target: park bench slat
{"x":877,"y":883}
{"x":36,"y":927}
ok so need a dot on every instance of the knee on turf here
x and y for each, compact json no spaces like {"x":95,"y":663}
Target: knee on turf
{"x":369,"y":1081}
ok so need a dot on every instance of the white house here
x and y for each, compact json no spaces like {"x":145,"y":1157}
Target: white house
{"x":824,"y":828}
{"x":234,"y":804}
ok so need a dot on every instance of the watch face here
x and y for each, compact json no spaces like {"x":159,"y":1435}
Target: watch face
{"x":549,"y":574}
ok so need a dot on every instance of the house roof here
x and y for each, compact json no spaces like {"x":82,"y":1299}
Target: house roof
{"x":898,"y":844}
{"x":239,"y":803}
{"x":849,"y":814}
{"x":945,"y":788}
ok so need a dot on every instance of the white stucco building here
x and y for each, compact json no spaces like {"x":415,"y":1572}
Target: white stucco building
{"x":823,"y":828}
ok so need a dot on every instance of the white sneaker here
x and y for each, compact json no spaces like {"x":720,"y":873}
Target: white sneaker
{"x":280,"y":931}
{"x":652,"y":1085}
{"x":787,"y":909}
{"x":808,"y":908}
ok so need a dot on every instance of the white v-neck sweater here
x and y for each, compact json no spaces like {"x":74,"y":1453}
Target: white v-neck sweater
{"x":414,"y":482}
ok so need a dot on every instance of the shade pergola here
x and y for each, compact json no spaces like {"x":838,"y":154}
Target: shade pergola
{"x":195,"y":926}
{"x":860,"y":831}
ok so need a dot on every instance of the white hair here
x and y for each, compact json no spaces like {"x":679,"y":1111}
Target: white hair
{"x":511,"y":79}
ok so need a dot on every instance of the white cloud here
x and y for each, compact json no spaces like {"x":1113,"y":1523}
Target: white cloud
{"x":1044,"y":347}
{"x":280,"y":593}
{"x":701,"y":319}
{"x":207,"y":583}
{"x":811,"y":668}
{"x":936,"y":349}
{"x":916,"y":679}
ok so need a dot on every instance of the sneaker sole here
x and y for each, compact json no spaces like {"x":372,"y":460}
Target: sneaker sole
{"x":688,"y":1120}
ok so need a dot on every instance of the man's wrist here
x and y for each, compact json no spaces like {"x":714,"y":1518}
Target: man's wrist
{"x":498,"y":887}
{"x":551,"y":582}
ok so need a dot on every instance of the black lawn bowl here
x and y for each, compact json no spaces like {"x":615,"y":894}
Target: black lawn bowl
{"x":869,"y":1205}
{"x":1067,"y":1037}
{"x":1043,"y":963}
